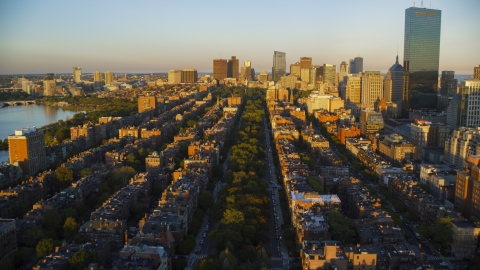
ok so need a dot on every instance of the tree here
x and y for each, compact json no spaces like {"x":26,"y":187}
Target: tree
{"x":232,"y":216}
{"x":70,"y":227}
{"x":191,"y":123}
{"x":64,"y":174}
{"x":82,"y":259}
{"x":44,"y":247}
{"x":123,"y":174}
{"x":86,"y":172}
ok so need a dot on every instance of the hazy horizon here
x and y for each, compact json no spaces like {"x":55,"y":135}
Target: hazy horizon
{"x":152,"y":37}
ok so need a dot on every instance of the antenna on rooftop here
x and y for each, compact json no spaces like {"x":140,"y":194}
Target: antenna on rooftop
{"x":422,"y":3}
{"x":413,"y":4}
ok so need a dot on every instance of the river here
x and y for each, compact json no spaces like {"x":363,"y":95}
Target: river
{"x":16,"y":117}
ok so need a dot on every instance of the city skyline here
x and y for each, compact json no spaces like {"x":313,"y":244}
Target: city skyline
{"x":157,"y":37}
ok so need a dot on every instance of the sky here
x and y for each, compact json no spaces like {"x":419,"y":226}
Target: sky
{"x":155,"y":36}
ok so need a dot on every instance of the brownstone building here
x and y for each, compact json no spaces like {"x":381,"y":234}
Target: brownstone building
{"x":27,"y":148}
{"x":153,"y":164}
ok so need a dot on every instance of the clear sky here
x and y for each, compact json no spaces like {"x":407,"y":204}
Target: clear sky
{"x":156,"y":36}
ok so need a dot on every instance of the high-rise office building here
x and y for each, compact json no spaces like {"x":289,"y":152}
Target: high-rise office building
{"x":372,"y":88}
{"x":295,"y":69}
{"x":279,"y":68}
{"x":476,"y":73}
{"x":448,"y":83}
{"x":108,"y":77}
{"x":305,"y":62}
{"x":174,"y":76}
{"x":247,"y":72}
{"x":77,"y":74}
{"x":343,"y":71}
{"x":27,"y":148}
{"x":353,"y":89}
{"x":189,"y":75}
{"x":329,"y":74}
{"x":220,"y":68}
{"x":421,"y":57}
{"x":233,"y":66}
{"x":393,"y":84}
{"x":356,"y":65}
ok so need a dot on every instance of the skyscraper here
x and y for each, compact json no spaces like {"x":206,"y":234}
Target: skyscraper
{"x":353,"y":89}
{"x":476,"y":73}
{"x":305,"y":62}
{"x":421,"y":57}
{"x":448,"y":83}
{"x":108,"y":77}
{"x":279,"y":68}
{"x":27,"y":148}
{"x":220,"y":67}
{"x":77,"y":74}
{"x":329,"y":74}
{"x":393,"y":84}
{"x":356,"y":65}
{"x":372,"y":88}
{"x":343,"y":71}
{"x":233,"y":65}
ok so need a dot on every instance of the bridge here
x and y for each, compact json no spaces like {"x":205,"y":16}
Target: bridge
{"x":19,"y":102}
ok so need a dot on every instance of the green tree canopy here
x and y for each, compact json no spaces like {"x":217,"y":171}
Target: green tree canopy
{"x":70,"y":227}
{"x":82,"y":259}
{"x":44,"y":247}
{"x":64,"y":174}
{"x":86,"y":172}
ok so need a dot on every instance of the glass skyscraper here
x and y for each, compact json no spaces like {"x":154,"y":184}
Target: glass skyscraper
{"x":279,"y":68}
{"x":421,"y":57}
